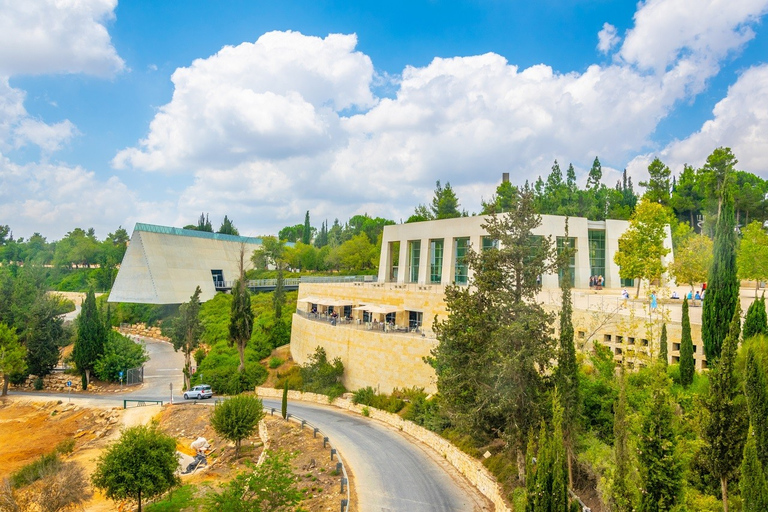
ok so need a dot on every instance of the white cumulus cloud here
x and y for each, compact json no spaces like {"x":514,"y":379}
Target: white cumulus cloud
{"x":607,"y":38}
{"x":57,"y":36}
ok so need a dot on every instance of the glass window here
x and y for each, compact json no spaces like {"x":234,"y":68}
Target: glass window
{"x":415,"y":319}
{"x":394,"y":255}
{"x":414,"y":253}
{"x":490,"y":243}
{"x":627,"y":283}
{"x":460,"y":271}
{"x":435,"y":261}
{"x":562,"y":243}
{"x":596,"y":252}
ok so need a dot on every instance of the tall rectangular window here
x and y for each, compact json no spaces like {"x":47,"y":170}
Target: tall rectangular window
{"x":414,"y":253}
{"x":562,"y":243}
{"x":394,"y":255}
{"x":490,"y":243}
{"x":435,"y":261}
{"x":597,"y":253}
{"x":460,"y":270}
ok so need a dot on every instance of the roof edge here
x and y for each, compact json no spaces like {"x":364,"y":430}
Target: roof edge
{"x":168,"y":230}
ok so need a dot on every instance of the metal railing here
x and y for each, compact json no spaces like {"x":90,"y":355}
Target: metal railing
{"x":293,"y":282}
{"x":345,"y":503}
{"x":358,"y":324}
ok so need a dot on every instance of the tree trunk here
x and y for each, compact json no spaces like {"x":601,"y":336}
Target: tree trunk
{"x":139,"y":501}
{"x":520,"y":465}
{"x":639,"y":282}
{"x":569,"y":458}
{"x":241,"y":350}
{"x":724,"y":490}
{"x":87,"y":377}
{"x":757,"y":286}
{"x":187,"y":373}
{"x":6,"y":380}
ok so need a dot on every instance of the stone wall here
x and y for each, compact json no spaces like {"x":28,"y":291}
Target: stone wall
{"x":58,"y":382}
{"x":143,"y":331}
{"x":381,"y":360}
{"x":471,"y":468}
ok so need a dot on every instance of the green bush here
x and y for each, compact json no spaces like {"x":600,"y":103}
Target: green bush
{"x":425,"y":412}
{"x":226,"y":380}
{"x":38,"y":384}
{"x":236,"y":418}
{"x":120,"y":354}
{"x":293,"y":377}
{"x":321,"y":376}
{"x":33,"y":471}
{"x":391,"y":403}
{"x":66,"y":446}
{"x":274,"y":362}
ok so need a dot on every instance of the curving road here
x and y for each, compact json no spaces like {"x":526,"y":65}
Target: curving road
{"x":392,"y":472}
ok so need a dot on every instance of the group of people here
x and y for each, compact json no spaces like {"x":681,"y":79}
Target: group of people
{"x":596,"y":282}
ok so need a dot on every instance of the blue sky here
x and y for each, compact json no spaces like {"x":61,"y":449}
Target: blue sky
{"x":141,"y":111}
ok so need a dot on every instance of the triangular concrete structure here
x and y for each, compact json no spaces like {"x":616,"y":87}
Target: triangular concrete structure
{"x":163,"y":265}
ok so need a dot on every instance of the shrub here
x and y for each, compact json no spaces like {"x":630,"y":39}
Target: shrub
{"x":366,"y":412}
{"x":66,"y":446}
{"x":391,"y":403}
{"x":35,"y":470}
{"x":38,"y":384}
{"x":227,"y":380}
{"x":292,"y":377}
{"x":274,"y":362}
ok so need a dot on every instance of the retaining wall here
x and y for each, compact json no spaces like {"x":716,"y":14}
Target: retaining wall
{"x":472,"y":469}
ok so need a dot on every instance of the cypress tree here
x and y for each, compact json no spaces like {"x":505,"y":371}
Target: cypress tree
{"x":756,"y":321}
{"x":754,"y":488}
{"x":621,"y":493}
{"x":663,"y":348}
{"x":284,"y":404}
{"x":756,"y":389}
{"x":726,"y":426}
{"x":687,"y":363}
{"x":567,"y":368}
{"x":722,"y":284}
{"x":659,"y":465}
{"x":241,"y":314}
{"x":559,"y":459}
{"x":306,"y":234}
{"x":89,"y":344}
{"x":550,"y":489}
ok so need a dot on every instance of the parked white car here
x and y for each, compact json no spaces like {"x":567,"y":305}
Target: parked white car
{"x":199,"y":392}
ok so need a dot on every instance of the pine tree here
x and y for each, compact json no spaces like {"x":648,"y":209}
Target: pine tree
{"x":756,"y":390}
{"x":89,"y":345}
{"x":621,"y":496}
{"x":726,"y":424}
{"x":663,"y":344}
{"x":756,"y":321}
{"x":567,"y":367}
{"x":659,"y":465}
{"x":754,"y":488}
{"x":722,"y":285}
{"x":687,"y":363}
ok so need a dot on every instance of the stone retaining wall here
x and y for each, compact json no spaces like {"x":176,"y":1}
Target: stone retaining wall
{"x":472,"y":469}
{"x":58,"y":382}
{"x":142,"y":330}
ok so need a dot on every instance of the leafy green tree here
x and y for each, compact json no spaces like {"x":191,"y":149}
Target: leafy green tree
{"x":142,"y":464}
{"x":236,"y":418}
{"x":567,"y":373}
{"x":726,"y":422}
{"x":687,"y":362}
{"x":693,"y":260}
{"x":752,"y":257}
{"x":756,"y":321}
{"x":186,"y":330}
{"x":271,"y":252}
{"x":91,"y":335}
{"x":754,"y":488}
{"x":484,"y":394}
{"x":502,"y":201}
{"x":641,"y":246}
{"x":120,"y":354}
{"x":227,"y":228}
{"x":660,"y":468}
{"x":722,"y":285}
{"x":687,"y":200}
{"x":621,"y":496}
{"x":43,"y":335}
{"x":658,"y":185}
{"x":664,"y":344}
{"x":756,"y":390}
{"x":291,"y":233}
{"x":269,"y":487}
{"x":11,"y":355}
{"x":358,"y":253}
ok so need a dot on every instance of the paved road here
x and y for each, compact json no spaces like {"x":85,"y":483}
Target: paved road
{"x":393,"y":473}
